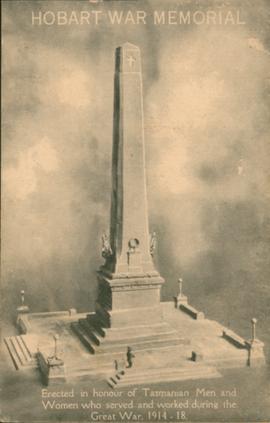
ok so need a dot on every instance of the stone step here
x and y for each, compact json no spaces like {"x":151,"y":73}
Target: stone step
{"x":12,"y":353}
{"x":116,"y":341}
{"x":80,"y":373}
{"x":21,"y":346}
{"x":229,"y":362}
{"x":159,"y":375}
{"x":92,"y":367}
{"x":111,"y":383}
{"x":120,"y":347}
{"x":103,"y":318}
{"x":167,"y":372}
{"x":150,"y":331}
{"x":96,"y":325}
{"x":91,"y":332}
{"x":145,"y":337}
{"x":138,"y":344}
{"x":19,"y":353}
{"x":80,"y":332}
{"x":114,"y":380}
{"x":17,"y":350}
{"x":31,"y":343}
{"x":116,"y":338}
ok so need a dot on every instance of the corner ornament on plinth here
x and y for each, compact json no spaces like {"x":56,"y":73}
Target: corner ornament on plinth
{"x":153,"y":243}
{"x":106,"y":250}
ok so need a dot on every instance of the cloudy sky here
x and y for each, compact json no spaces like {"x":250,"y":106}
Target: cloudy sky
{"x":206,"y":102}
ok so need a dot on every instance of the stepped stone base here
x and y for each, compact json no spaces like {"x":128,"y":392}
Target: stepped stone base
{"x":156,"y":375}
{"x":100,"y":340}
{"x":21,"y":351}
{"x":163,"y":352}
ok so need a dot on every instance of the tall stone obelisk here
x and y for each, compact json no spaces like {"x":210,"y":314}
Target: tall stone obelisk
{"x":129,"y":285}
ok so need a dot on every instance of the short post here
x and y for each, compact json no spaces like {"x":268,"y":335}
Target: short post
{"x":22,"y":321}
{"x":22,"y":297}
{"x":180,"y":298}
{"x":180,"y":282}
{"x":56,"y":338}
{"x":54,"y":360}
{"x":255,"y":347}
{"x":22,"y":308}
{"x":253,"y":330}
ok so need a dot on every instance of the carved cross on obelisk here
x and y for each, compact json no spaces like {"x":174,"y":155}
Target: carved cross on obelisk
{"x":131,"y":59}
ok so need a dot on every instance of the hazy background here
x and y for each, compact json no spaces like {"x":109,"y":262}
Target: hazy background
{"x":206,"y":100}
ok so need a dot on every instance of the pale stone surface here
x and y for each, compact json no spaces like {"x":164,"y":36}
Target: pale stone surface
{"x":196,"y":335}
{"x":196,"y":356}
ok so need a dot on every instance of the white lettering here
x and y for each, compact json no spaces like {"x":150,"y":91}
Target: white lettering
{"x":211,"y":17}
{"x":115,"y":17}
{"x":172,"y":17}
{"x":238,"y":20}
{"x":62,"y":17}
{"x":184,"y":18}
{"x":47,"y":15}
{"x":36,"y":17}
{"x":97,"y":15}
{"x":73,"y":18}
{"x":199,"y":17}
{"x":141,"y":15}
{"x":85,"y":16}
{"x":159,"y":17}
{"x":229,"y":18}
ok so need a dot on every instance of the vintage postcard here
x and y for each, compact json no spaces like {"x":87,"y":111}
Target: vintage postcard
{"x":135,"y":211}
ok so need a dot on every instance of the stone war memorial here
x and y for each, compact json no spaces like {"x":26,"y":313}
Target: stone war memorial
{"x":132,"y":337}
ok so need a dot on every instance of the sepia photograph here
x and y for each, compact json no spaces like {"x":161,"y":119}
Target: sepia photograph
{"x":135,"y":211}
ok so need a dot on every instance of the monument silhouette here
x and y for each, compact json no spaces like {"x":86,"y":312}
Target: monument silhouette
{"x":162,"y":341}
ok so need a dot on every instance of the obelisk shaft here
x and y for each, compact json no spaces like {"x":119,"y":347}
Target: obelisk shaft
{"x":129,"y":232}
{"x":129,"y":285}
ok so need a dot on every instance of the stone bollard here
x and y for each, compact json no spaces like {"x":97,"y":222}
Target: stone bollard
{"x":180,"y":298}
{"x":22,"y":308}
{"x":22,"y":321}
{"x":255,"y":347}
{"x":253,"y":330}
{"x":56,"y":337}
{"x":54,"y":360}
